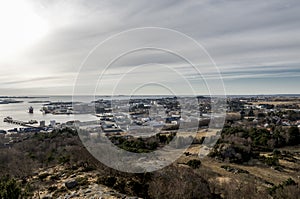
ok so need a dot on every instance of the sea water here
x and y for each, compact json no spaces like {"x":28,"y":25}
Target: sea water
{"x":19,"y":111}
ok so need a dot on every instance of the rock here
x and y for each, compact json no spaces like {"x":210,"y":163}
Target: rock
{"x":71,"y":184}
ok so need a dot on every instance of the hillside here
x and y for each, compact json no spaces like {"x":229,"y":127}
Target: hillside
{"x":56,"y":165}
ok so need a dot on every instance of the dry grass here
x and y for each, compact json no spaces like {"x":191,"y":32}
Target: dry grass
{"x":263,"y":173}
{"x":297,"y":101}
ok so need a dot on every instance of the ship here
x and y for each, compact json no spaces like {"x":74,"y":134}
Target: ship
{"x":7,"y":119}
{"x":30,"y":109}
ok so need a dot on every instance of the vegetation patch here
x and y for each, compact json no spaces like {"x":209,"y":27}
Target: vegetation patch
{"x":233,"y":169}
{"x":195,"y":163}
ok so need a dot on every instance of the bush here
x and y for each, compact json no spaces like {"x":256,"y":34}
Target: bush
{"x":287,"y":189}
{"x":289,"y":182}
{"x":82,"y":181}
{"x":63,"y":159}
{"x":139,"y":145}
{"x":108,"y":181}
{"x":277,"y":153}
{"x":176,"y":182}
{"x":195,"y":164}
{"x":233,"y":169}
{"x":271,"y":161}
{"x":9,"y":188}
{"x":294,"y":136}
{"x":88,"y":169}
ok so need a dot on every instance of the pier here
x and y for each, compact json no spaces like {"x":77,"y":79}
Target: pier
{"x":18,"y":122}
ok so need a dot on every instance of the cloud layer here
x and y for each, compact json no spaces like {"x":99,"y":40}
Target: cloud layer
{"x":255,"y":44}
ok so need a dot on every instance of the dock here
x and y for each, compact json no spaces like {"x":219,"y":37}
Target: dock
{"x":18,"y":122}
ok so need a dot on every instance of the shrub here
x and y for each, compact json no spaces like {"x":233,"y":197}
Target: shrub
{"x":174,"y":182}
{"x":82,"y":181}
{"x":276,"y":153}
{"x":293,"y":135}
{"x":271,"y":161}
{"x":286,"y":189}
{"x":9,"y":188}
{"x":63,"y":159}
{"x":233,"y":170}
{"x":195,"y":164}
{"x":289,"y":182}
{"x":88,"y":169}
{"x":108,"y":181}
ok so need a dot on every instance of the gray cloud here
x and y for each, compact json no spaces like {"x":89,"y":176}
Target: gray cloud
{"x":246,"y":39}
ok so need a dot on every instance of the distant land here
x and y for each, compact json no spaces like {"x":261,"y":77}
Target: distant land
{"x":23,"y":97}
{"x":152,"y":95}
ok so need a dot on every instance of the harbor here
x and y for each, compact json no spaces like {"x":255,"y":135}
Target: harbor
{"x":21,"y":123}
{"x":28,"y":126}
{"x":21,"y":114}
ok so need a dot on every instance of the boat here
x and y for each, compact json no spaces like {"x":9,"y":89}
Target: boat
{"x":30,"y":109}
{"x":32,"y":122}
{"x":7,"y":119}
{"x":45,"y":110}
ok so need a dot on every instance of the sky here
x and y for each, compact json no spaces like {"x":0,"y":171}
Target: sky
{"x":58,"y":47}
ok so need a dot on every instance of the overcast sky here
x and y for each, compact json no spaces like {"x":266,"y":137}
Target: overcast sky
{"x":255,"y":45}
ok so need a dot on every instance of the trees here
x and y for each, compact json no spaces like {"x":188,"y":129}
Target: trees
{"x":241,"y":144}
{"x":286,"y":189}
{"x":177,"y":182}
{"x":293,"y":136}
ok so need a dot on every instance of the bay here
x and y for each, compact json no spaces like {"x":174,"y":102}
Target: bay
{"x":19,"y":111}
